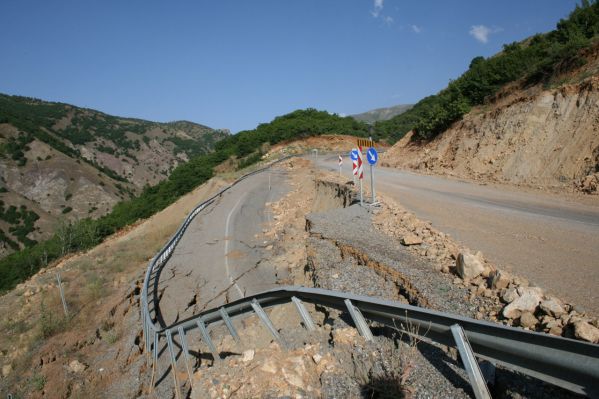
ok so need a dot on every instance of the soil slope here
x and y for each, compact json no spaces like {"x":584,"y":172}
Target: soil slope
{"x":532,"y":137}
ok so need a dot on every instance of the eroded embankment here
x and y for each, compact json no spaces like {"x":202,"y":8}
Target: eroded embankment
{"x":347,"y":252}
{"x":531,"y":137}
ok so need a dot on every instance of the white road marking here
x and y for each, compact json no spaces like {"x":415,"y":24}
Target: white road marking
{"x":227,"y":240}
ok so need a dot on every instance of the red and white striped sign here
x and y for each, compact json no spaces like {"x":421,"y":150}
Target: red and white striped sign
{"x":360,"y":171}
{"x":355,"y":169}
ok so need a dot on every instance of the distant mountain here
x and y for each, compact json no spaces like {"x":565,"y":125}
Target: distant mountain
{"x":59,"y":161}
{"x":382,"y":114}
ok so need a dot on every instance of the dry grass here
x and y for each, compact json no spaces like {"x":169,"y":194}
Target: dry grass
{"x":90,"y":280}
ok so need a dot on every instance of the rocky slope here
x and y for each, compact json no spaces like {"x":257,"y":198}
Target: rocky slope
{"x":58,"y":161}
{"x":525,"y":136}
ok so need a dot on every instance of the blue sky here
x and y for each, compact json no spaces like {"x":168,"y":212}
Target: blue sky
{"x":234,"y":64}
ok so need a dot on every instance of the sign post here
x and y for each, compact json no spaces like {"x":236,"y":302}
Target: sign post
{"x":340,"y":163}
{"x":372,"y":157}
{"x":360,"y":174}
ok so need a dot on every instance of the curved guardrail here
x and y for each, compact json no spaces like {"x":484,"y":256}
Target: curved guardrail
{"x":151,"y":330}
{"x":568,"y":363}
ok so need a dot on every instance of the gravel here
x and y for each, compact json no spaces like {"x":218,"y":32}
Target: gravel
{"x":346,"y":253}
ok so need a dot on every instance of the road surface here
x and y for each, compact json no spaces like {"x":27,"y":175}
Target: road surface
{"x":219,"y":258}
{"x":552,"y":242}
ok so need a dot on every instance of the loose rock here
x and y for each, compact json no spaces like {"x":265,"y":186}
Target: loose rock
{"x":585,"y":331}
{"x":6,"y":370}
{"x":411,"y":239}
{"x":509,"y":295}
{"x":468,"y":266}
{"x":248,"y":355}
{"x":553,"y":306}
{"x":528,"y":320}
{"x":527,"y":302}
{"x":76,"y":366}
{"x":500,"y":280}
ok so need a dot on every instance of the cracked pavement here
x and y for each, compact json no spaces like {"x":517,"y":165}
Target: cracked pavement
{"x":220,"y":257}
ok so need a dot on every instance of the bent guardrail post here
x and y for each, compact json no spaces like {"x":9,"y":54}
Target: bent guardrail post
{"x":301,"y":309}
{"x":359,"y":321}
{"x":171,"y":350}
{"x":477,"y":381}
{"x":229,"y":324}
{"x":185,"y":349}
{"x":207,"y":340}
{"x":267,"y":323}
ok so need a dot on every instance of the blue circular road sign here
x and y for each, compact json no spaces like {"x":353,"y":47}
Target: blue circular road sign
{"x":372,"y":156}
{"x":354,"y":155}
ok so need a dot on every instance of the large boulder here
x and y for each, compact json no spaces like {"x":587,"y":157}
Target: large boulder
{"x":469,"y":266}
{"x":528,"y":301}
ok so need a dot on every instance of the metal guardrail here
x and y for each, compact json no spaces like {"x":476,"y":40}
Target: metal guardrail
{"x":571,"y":364}
{"x":568,"y":363}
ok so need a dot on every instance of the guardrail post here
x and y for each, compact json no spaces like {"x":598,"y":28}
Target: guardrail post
{"x":181,"y":333}
{"x":266,"y":321}
{"x":154,"y":360}
{"x":359,"y":321}
{"x":207,"y":340}
{"x":229,"y":324}
{"x":171,"y":350}
{"x":301,"y":309}
{"x":477,"y":381}
{"x":62,"y":298}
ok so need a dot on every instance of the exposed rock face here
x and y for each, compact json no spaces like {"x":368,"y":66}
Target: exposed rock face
{"x":469,"y":266}
{"x":533,"y":136}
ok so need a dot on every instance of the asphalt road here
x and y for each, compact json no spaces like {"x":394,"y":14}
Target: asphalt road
{"x":219,"y":258}
{"x":552,"y":241}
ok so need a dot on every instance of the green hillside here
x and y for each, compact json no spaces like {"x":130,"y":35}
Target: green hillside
{"x":66,"y":127}
{"x":536,"y":60}
{"x":246,"y":145}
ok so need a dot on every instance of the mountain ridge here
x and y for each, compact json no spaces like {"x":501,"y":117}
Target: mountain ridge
{"x":382,"y":114}
{"x":60,"y":162}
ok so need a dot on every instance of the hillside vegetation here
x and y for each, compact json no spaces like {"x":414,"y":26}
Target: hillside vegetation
{"x":248,"y":146}
{"x":536,"y":60}
{"x":58,"y":161}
